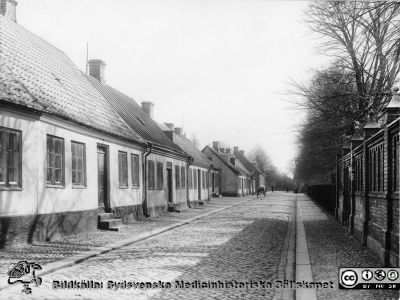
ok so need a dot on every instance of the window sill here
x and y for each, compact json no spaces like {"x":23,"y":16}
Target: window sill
{"x":55,"y":186}
{"x":11,"y":188}
{"x":135,"y":187}
{"x":79,"y":187}
{"x":123,"y":187}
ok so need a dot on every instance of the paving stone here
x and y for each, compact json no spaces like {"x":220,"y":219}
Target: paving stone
{"x":330,"y":247}
{"x":243,"y":243}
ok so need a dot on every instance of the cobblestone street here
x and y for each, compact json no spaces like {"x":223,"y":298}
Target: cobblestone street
{"x":245,"y":243}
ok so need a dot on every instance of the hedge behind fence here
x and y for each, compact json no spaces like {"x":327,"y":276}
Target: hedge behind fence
{"x":324,"y":195}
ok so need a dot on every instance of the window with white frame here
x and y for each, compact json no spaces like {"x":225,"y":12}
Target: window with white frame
{"x":78,"y":164}
{"x":123,"y":168}
{"x":135,"y":168}
{"x":10,"y":158}
{"x":55,"y":160}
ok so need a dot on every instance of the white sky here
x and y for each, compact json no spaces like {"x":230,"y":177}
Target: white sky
{"x":221,"y":64}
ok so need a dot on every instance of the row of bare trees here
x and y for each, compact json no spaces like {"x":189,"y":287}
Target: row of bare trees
{"x":274,"y":178}
{"x":362,"y":40}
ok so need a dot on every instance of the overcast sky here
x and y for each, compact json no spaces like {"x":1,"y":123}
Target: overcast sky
{"x":220,"y":66}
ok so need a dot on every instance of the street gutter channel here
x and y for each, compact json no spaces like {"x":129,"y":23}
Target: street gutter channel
{"x":287,"y":266}
{"x":303,"y":268}
{"x":76,"y":259}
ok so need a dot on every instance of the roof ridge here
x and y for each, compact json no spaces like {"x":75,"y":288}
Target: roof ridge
{"x":232,"y":167}
{"x":138,"y":137}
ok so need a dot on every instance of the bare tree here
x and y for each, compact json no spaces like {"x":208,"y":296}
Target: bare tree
{"x":364,"y":36}
{"x":263,"y":160}
{"x":331,"y":113}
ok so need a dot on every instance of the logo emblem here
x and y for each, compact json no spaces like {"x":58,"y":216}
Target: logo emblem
{"x":392,"y":275}
{"x":24,"y":273}
{"x":367,"y":275}
{"x":380,"y":275}
{"x":349,"y":278}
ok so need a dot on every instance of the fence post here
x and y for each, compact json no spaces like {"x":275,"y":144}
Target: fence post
{"x":337,"y":186}
{"x":355,"y":142}
{"x":386,"y":187}
{"x":365,"y":189}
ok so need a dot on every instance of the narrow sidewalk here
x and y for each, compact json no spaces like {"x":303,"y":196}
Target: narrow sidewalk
{"x":74,"y":248}
{"x":330,"y":246}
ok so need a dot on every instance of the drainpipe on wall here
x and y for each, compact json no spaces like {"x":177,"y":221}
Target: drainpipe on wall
{"x":144,"y":159}
{"x":208,"y":180}
{"x":189,"y":163}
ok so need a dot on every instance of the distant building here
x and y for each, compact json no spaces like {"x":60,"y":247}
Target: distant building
{"x":235,"y":178}
{"x":203,"y":177}
{"x":257,"y":177}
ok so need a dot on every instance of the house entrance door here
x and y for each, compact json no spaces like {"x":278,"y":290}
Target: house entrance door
{"x":199,"y":183}
{"x":169,"y":183}
{"x":102,"y":170}
{"x":213,"y":182}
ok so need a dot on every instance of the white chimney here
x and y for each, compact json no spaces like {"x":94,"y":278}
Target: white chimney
{"x":148,"y":108}
{"x":170,"y":126}
{"x":215,"y":145}
{"x":96,"y":69}
{"x":8,"y":8}
{"x":178,"y":130}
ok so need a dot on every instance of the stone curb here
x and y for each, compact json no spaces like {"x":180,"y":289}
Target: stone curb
{"x":303,"y":265}
{"x":287,"y":266}
{"x":76,"y":259}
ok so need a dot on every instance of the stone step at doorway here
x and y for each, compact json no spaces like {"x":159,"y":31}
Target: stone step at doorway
{"x":108,"y":221}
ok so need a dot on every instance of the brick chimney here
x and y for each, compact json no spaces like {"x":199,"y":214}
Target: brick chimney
{"x":96,"y":69}
{"x":228,"y":150}
{"x":178,"y":130}
{"x":215,"y":146}
{"x":235,"y":150}
{"x":8,"y":8}
{"x":241,"y":152}
{"x":222,"y":150}
{"x":392,"y":111}
{"x":148,"y":108}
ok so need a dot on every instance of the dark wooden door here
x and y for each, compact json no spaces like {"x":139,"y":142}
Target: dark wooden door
{"x":199,"y":183}
{"x":169,"y":185}
{"x":102,"y":177}
{"x":213,"y":182}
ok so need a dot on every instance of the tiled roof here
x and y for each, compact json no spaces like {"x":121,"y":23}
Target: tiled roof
{"x":242,"y":168}
{"x":134,"y":116}
{"x":234,"y":169}
{"x":37,"y":75}
{"x":190,"y":148}
{"x":248,"y":165}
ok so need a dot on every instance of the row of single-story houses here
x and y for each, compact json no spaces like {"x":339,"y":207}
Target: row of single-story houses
{"x":76,"y":154}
